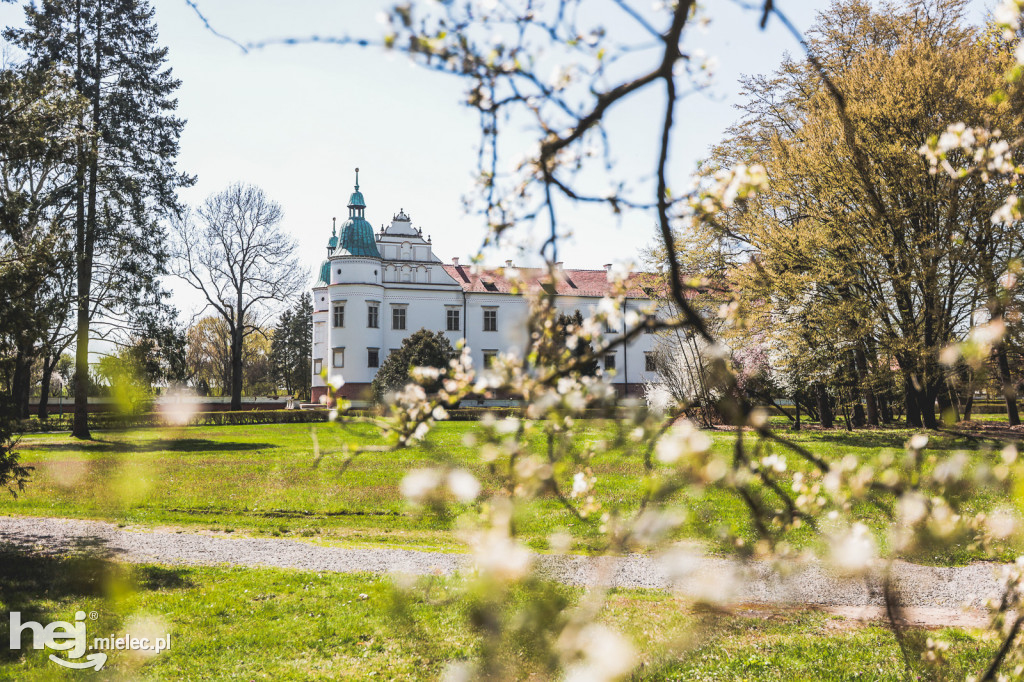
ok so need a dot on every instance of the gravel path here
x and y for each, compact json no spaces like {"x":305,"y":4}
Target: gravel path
{"x":942,"y":592}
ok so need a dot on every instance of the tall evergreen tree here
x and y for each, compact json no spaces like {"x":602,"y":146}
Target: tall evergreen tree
{"x":583,"y":351}
{"x":125,"y":177}
{"x":424,"y":348}
{"x":292,"y":347}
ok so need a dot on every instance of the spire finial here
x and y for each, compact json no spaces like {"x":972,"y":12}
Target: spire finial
{"x":357,"y":179}
{"x":334,"y":226}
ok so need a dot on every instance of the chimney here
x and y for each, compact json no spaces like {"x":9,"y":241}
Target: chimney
{"x":508,"y":264}
{"x":558,"y":266}
{"x":455,"y":261}
{"x":607,"y":267}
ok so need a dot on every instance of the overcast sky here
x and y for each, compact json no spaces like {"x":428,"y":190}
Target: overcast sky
{"x":296,"y":120}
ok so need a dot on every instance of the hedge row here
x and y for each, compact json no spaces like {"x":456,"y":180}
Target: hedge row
{"x":106,"y":420}
{"x":109,"y":420}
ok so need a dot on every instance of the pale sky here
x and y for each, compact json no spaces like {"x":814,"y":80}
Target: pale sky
{"x":296,"y":120}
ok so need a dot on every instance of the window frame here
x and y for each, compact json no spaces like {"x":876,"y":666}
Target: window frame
{"x":373,"y":315}
{"x":335,"y":315}
{"x":318,"y":366}
{"x":489,"y":357}
{"x":449,"y":313}
{"x":396,"y":312}
{"x":334,"y":358}
{"x":610,"y":356}
{"x":491,"y":314}
{"x":373,"y":353}
{"x":649,"y":364}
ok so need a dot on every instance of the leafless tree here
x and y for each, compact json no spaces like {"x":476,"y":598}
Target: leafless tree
{"x":238,"y":257}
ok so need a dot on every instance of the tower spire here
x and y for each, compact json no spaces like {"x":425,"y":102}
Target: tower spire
{"x":357,"y":179}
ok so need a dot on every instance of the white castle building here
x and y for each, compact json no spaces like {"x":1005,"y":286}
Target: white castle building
{"x":376,"y":289}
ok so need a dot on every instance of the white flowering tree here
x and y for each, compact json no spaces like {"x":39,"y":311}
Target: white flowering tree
{"x":498,"y":48}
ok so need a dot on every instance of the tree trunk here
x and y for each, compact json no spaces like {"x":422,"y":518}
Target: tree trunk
{"x":85,"y":247}
{"x":865,"y":387}
{"x":927,"y":399}
{"x":811,"y":412}
{"x":80,"y":427}
{"x":969,"y":405}
{"x":796,"y":406}
{"x":22,"y":382}
{"x":1009,"y":394}
{"x":912,"y":406}
{"x":859,"y":418}
{"x":236,"y":358}
{"x":824,"y":409}
{"x":49,"y":362}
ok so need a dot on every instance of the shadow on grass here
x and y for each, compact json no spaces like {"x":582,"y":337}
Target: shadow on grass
{"x":198,"y":445}
{"x":885,"y":438}
{"x":44,"y":588}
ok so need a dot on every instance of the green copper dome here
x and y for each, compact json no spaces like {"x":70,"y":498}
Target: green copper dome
{"x":357,"y":239}
{"x":325,"y":275}
{"x":356,"y":233}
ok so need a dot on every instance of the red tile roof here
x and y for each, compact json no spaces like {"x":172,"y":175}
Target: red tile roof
{"x":567,"y":282}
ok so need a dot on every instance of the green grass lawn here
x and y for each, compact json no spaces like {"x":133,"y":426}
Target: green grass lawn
{"x":249,"y":624}
{"x":261,"y":480}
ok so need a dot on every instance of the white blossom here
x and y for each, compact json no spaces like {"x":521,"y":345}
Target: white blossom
{"x":854,"y":551}
{"x":463,"y":485}
{"x":606,"y":654}
{"x":919,"y":441}
{"x":419,"y":484}
{"x":682,"y":441}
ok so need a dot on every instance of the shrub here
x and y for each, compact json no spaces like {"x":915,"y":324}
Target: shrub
{"x":423,"y":349}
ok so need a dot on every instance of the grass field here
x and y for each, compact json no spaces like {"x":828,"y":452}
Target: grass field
{"x":261,"y":480}
{"x":249,"y":624}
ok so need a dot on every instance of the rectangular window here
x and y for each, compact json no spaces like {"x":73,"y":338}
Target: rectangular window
{"x":338,"y":359}
{"x":373,"y":357}
{"x":649,"y":365}
{"x":491,"y":320}
{"x":373,"y":316}
{"x":339,"y":315}
{"x":489,"y":356}
{"x":318,"y":366}
{"x":398,"y":318}
{"x":453,"y":320}
{"x":650,"y":330}
{"x":609,"y":361}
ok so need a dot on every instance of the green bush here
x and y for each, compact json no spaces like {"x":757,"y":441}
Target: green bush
{"x":423,"y":349}
{"x":112,"y":420}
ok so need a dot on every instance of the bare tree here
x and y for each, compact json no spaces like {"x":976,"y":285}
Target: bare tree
{"x":243,"y":263}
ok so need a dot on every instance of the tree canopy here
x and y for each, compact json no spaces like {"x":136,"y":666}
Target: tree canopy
{"x":857,"y":256}
{"x":423,"y":348}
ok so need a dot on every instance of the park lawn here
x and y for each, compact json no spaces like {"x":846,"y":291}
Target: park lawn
{"x":261,"y":480}
{"x":249,"y":623}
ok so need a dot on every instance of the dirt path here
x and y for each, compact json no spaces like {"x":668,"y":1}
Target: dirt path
{"x":932,"y":596}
